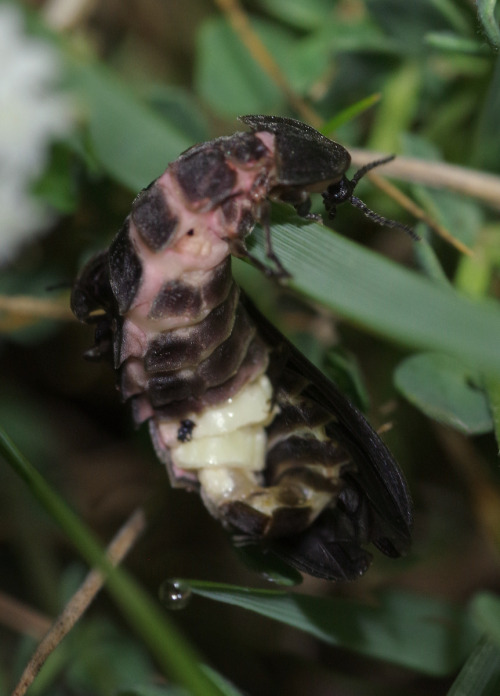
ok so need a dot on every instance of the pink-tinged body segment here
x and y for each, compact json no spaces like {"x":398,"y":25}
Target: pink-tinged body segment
{"x":191,"y":256}
{"x":198,"y":244}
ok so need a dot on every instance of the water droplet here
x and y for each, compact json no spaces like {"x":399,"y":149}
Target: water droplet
{"x":174,"y":594}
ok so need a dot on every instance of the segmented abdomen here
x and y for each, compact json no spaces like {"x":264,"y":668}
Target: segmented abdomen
{"x":187,"y":351}
{"x":234,"y":410}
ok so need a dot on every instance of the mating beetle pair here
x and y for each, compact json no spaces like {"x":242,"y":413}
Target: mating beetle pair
{"x":235,"y":412}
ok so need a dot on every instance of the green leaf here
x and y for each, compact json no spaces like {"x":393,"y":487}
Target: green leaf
{"x":181,"y":110}
{"x":396,"y":110}
{"x":456,"y":15}
{"x":225,"y":686}
{"x":269,"y":566}
{"x":492,"y":386}
{"x":149,"y":690}
{"x":227,"y":689}
{"x":486,"y":152}
{"x":104,"y":658}
{"x":486,"y":14}
{"x":473,"y":273}
{"x":56,"y":186}
{"x":407,"y":22}
{"x":427,"y":259}
{"x":231,"y":81}
{"x":480,"y":676}
{"x":227,"y":76}
{"x":486,"y":611}
{"x":343,"y":35}
{"x":313,"y":57}
{"x":379,"y":295}
{"x":443,"y":388}
{"x":449,"y":42}
{"x":343,"y":369}
{"x":458,"y":214}
{"x":297,"y":13}
{"x":420,"y":633}
{"x":130,"y":139}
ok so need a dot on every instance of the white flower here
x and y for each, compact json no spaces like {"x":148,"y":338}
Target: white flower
{"x":33,"y":113}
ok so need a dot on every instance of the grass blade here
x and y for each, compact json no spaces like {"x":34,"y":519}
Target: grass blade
{"x":420,"y":633}
{"x":169,"y":647}
{"x":381,"y":296}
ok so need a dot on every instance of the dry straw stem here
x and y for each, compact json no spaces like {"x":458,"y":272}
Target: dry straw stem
{"x":409,"y":205}
{"x":469,"y":182}
{"x":484,"y":187}
{"x":81,"y":600}
{"x":21,"y":618}
{"x":241,"y":25}
{"x":66,"y":15}
{"x":17,"y":311}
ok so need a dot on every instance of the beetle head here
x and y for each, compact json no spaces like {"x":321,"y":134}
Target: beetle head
{"x":343,"y":190}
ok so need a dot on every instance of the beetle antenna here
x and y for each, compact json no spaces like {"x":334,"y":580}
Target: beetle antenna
{"x":381,"y":220}
{"x":368,"y":167}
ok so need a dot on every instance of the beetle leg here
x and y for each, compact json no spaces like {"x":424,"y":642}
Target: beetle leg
{"x":238,"y":248}
{"x":299,"y":198}
{"x":332,"y":212}
{"x":303,"y":208}
{"x":264,"y":219}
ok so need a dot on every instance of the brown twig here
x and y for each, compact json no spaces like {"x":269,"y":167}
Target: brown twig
{"x":21,"y":618}
{"x":418,"y":212}
{"x":241,"y":25}
{"x":485,"y":187}
{"x":470,"y":182}
{"x":62,"y":15}
{"x":117,"y":550}
{"x":25,"y":308}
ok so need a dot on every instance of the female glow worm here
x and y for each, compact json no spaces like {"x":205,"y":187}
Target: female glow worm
{"x":235,"y":412}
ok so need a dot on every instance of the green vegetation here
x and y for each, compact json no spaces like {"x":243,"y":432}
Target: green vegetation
{"x":415,"y":325}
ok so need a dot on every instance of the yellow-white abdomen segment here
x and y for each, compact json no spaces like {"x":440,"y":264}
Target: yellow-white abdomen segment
{"x":232,"y":434}
{"x":251,"y":406}
{"x":241,"y":449}
{"x":220,"y":485}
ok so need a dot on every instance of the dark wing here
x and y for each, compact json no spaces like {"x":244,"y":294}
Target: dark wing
{"x":375,"y":505}
{"x":303,"y":155}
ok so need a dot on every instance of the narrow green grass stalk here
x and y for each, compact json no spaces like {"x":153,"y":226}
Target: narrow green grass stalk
{"x":350,"y":113}
{"x":480,"y":675}
{"x":169,"y":647}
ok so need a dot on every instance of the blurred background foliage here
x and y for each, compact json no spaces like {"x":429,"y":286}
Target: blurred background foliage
{"x":96,"y":99}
